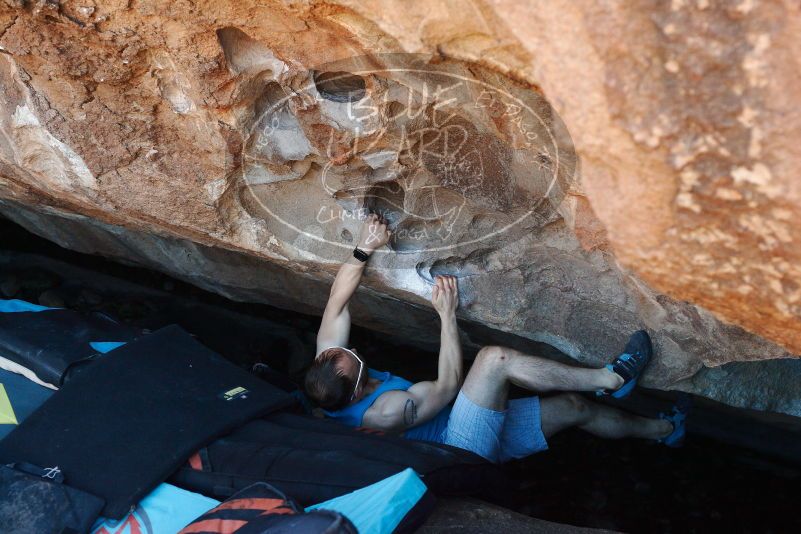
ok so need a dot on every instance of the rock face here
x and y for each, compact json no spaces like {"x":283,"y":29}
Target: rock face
{"x":475,"y":517}
{"x":235,"y":144}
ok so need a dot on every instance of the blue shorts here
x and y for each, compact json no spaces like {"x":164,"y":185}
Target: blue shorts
{"x":497,"y":436}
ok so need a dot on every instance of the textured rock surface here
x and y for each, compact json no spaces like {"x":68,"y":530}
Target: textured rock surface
{"x":689,"y":141}
{"x":472,"y":517}
{"x":139,"y":131}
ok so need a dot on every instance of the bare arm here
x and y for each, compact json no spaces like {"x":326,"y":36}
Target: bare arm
{"x":335,"y":326}
{"x":399,"y":410}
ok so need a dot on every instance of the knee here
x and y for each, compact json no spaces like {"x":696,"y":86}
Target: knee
{"x":492,"y":356}
{"x":578,"y":405}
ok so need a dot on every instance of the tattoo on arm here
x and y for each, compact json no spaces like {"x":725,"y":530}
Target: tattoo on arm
{"x":409,"y":412}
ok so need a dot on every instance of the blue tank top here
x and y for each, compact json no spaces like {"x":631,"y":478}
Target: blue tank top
{"x":353,"y":414}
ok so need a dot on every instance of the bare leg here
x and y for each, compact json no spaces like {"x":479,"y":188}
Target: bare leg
{"x":541,"y":374}
{"x":495,"y":367}
{"x":572,"y":410}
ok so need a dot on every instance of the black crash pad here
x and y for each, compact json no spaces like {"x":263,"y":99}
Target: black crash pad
{"x":32,"y":502}
{"x":52,"y":343}
{"x":315,"y":460}
{"x":126,"y":422}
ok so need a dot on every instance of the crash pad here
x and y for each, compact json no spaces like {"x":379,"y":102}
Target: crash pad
{"x":379,"y":508}
{"x":49,"y":345}
{"x":7,"y":415}
{"x":23,"y":398}
{"x":121,"y":426}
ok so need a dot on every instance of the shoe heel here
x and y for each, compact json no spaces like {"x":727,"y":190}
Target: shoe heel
{"x":625,"y":391}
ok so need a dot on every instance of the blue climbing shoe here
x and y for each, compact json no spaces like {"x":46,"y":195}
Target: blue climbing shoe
{"x":630,"y":364}
{"x":678,"y":417}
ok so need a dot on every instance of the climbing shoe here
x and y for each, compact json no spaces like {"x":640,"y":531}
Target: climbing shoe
{"x":630,"y":364}
{"x":678,"y":416}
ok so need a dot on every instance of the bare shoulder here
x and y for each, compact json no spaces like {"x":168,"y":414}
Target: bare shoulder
{"x":388,"y":411}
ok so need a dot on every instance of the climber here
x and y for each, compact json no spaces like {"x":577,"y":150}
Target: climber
{"x":481,"y":419}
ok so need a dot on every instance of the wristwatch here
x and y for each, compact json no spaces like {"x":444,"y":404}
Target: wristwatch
{"x":360,"y":255}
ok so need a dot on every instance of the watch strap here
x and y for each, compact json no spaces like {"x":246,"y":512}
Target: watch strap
{"x":360,"y":255}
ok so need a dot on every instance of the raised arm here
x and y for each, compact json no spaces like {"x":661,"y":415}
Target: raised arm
{"x":335,"y":326}
{"x":399,"y":410}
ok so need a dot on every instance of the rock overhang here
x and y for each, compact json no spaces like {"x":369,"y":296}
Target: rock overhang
{"x":139,"y":126}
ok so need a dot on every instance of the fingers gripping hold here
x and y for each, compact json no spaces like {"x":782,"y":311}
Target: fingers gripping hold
{"x":445,"y":294}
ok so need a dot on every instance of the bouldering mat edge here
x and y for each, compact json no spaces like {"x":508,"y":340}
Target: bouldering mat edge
{"x":131,"y":418}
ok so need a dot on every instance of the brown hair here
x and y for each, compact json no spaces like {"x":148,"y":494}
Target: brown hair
{"x":325,"y":382}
